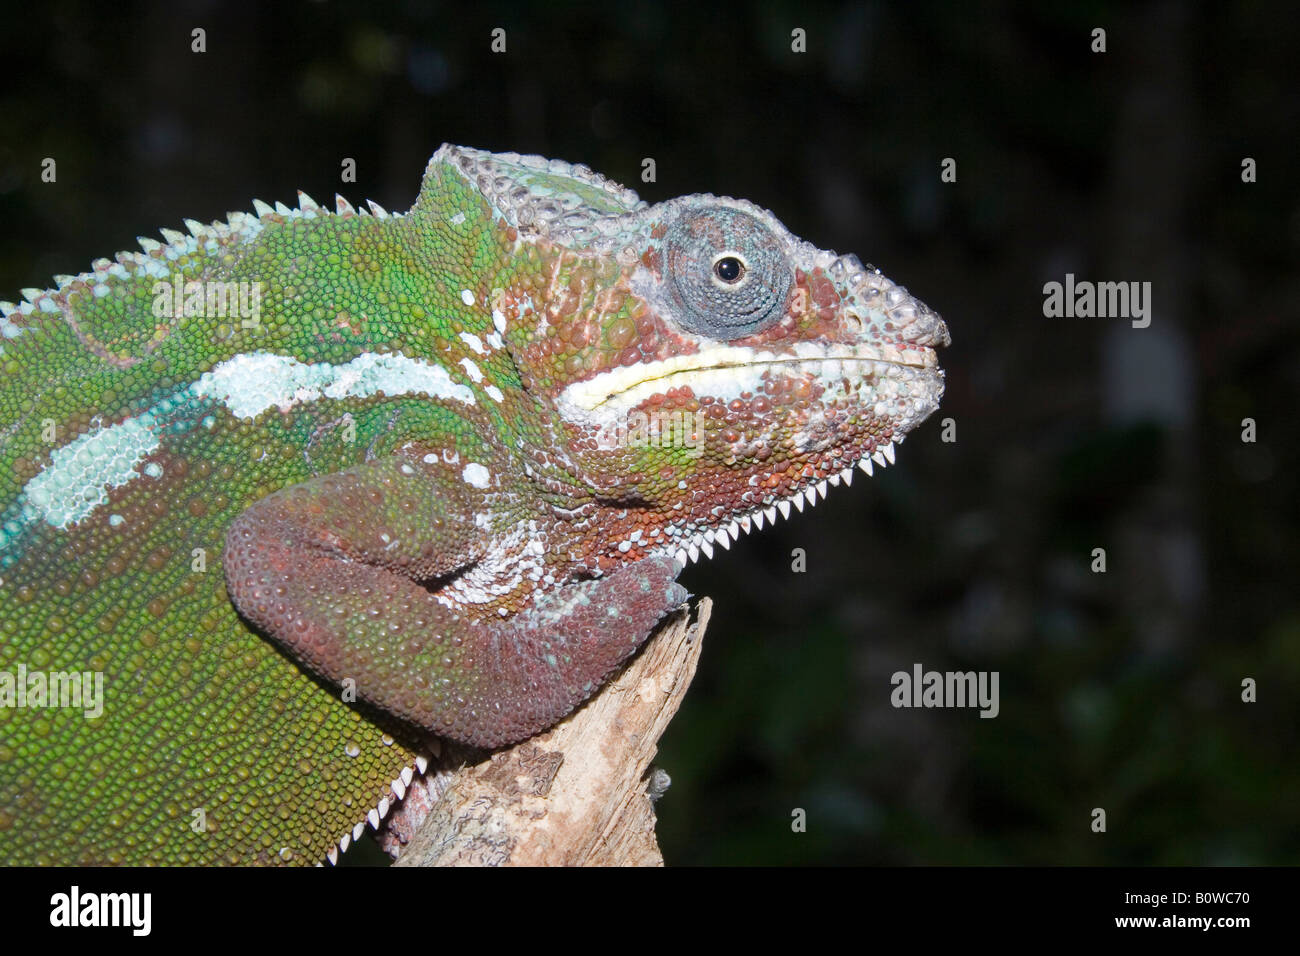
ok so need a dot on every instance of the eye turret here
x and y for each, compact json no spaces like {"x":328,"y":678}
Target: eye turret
{"x":727,"y":272}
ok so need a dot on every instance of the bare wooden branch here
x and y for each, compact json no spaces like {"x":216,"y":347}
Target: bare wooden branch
{"x":575,"y":795}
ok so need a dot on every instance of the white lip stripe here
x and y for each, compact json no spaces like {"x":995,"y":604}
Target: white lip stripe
{"x":731,"y":368}
{"x":609,"y":395}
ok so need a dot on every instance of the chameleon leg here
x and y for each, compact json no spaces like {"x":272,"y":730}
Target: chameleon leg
{"x":344,"y":571}
{"x":549,"y":658}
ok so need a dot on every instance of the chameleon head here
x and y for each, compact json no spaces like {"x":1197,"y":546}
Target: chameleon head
{"x":707,"y":367}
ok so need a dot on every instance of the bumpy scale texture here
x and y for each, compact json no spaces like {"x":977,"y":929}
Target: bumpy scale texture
{"x":446,"y":463}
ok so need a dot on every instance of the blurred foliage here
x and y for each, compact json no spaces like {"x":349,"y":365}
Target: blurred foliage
{"x":1119,"y":690}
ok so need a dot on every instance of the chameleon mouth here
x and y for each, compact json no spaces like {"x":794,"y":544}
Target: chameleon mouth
{"x":691,"y":542}
{"x":726,"y":371}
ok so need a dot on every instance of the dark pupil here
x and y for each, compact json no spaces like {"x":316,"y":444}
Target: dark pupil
{"x":728,"y":269}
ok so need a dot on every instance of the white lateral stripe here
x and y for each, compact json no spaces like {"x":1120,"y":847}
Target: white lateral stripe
{"x":81,"y":473}
{"x":249,"y":384}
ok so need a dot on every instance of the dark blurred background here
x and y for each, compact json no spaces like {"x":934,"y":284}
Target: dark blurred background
{"x":1119,"y":690}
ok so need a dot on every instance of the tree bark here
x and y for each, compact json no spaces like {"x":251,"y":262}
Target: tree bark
{"x":575,"y":795}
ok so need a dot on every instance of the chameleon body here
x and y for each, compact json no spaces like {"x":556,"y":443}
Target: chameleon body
{"x":450,"y":461}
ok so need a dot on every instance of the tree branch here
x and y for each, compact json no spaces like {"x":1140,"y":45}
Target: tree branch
{"x":573,"y":796}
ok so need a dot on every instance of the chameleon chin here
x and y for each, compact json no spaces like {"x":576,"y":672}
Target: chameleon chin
{"x":454,"y":458}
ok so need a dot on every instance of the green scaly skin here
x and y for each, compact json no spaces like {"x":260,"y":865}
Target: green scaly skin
{"x":451,"y":466}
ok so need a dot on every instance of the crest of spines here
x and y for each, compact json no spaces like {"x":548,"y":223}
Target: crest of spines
{"x":699,"y":543}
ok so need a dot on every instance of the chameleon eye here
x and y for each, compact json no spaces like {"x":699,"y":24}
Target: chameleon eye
{"x":729,"y":268}
{"x":726,"y":271}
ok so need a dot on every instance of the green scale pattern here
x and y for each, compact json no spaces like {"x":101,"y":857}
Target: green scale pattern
{"x":199,"y":712}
